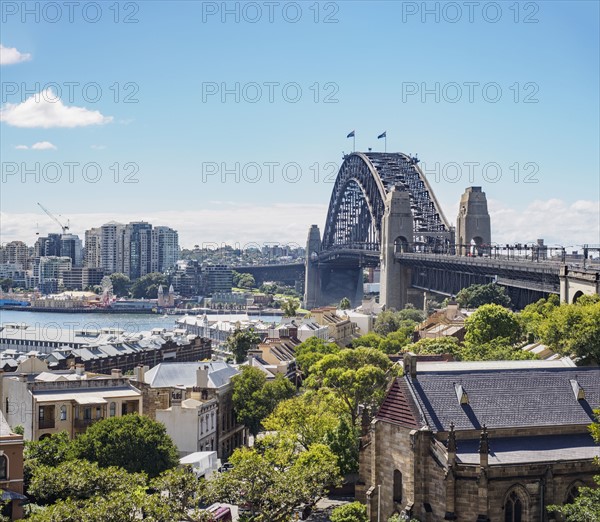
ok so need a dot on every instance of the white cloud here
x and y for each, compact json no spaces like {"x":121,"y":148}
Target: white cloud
{"x":40,"y":145}
{"x":46,"y":110}
{"x":556,"y":221}
{"x":43,"y":145}
{"x":98,"y":147}
{"x":227,"y":223}
{"x":10,"y":55}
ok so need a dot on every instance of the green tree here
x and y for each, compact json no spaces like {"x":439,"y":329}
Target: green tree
{"x":147,"y":286}
{"x":391,"y":321}
{"x":345,"y":304}
{"x":499,"y":349}
{"x":246,"y":281}
{"x":254,"y":397}
{"x":6,"y":283}
{"x":386,"y":322}
{"x":357,"y":376}
{"x":311,"y":351}
{"x":437,"y":346}
{"x":240,"y":342}
{"x":353,"y":512}
{"x":574,"y":330}
{"x":370,"y":340}
{"x":120,"y":283}
{"x":79,"y":480}
{"x":475,"y":296}
{"x":273,"y":478}
{"x":290,"y":307}
{"x":534,"y":315}
{"x":133,"y":442}
{"x":491,"y":321}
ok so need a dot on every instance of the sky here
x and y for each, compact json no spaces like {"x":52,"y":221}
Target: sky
{"x":228,"y":120}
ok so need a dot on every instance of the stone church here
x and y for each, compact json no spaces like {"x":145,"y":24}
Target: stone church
{"x":490,"y":441}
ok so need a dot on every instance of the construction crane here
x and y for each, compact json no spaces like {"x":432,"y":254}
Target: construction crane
{"x":65,"y":228}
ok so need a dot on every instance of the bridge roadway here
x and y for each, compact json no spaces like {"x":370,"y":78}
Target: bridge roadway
{"x":525,"y":278}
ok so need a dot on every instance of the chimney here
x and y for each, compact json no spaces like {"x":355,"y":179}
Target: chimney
{"x":139,"y":373}
{"x":79,"y":369}
{"x":202,"y":376}
{"x":451,"y":310}
{"x":115,"y":373}
{"x":410,"y":364}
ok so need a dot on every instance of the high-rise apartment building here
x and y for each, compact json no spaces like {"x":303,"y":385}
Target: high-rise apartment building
{"x":137,"y":249}
{"x":111,"y":247}
{"x":165,"y":248}
{"x":93,"y":248}
{"x":16,"y":253}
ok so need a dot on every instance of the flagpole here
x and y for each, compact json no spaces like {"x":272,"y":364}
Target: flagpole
{"x":354,"y":142}
{"x":385,"y":143}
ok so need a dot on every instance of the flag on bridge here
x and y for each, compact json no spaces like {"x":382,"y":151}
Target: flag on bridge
{"x":351,"y":135}
{"x":382,"y":135}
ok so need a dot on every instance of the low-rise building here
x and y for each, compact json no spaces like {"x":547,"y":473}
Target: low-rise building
{"x":342,"y":331}
{"x":191,"y":423}
{"x":11,"y":470}
{"x":45,"y":402}
{"x":202,"y":381}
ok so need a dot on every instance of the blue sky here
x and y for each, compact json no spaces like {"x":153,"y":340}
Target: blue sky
{"x":541,"y":130}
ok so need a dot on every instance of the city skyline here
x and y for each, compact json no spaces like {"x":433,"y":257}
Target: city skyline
{"x":212,"y":156}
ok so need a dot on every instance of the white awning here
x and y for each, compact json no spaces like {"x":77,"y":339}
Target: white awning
{"x":90,"y":400}
{"x":93,"y":396}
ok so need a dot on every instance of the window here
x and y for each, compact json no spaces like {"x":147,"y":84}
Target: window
{"x":41,"y":413}
{"x":87,"y":414}
{"x":113,"y":409}
{"x":98,"y":412}
{"x":63,"y":413}
{"x":3,"y":467}
{"x":572,"y":494}
{"x":513,"y":508}
{"x":397,"y":486}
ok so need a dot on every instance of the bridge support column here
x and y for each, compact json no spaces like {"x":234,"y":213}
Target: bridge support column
{"x":396,"y":236}
{"x":312,"y":281}
{"x":473,"y":222}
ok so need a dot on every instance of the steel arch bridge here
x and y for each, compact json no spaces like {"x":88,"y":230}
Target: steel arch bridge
{"x":353,"y":225}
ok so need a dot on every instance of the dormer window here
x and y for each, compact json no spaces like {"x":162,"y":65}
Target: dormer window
{"x":577,"y":390}
{"x":461,"y":394}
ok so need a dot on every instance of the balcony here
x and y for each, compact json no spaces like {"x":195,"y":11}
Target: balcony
{"x":83,"y":424}
{"x":45,"y":424}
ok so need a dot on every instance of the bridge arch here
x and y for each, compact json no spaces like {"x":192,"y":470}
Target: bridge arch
{"x":357,"y":203}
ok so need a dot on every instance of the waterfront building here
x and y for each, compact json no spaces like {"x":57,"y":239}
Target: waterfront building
{"x":70,"y":246}
{"x":217,"y":278}
{"x":48,"y":273}
{"x":103,"y":350}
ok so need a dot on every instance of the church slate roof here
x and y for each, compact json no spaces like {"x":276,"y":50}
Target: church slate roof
{"x":541,"y":448}
{"x":398,"y":408}
{"x":505,"y":398}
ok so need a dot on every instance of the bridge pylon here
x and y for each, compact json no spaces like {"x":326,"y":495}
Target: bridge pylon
{"x":397,"y":235}
{"x":473,"y":222}
{"x":312,"y":281}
